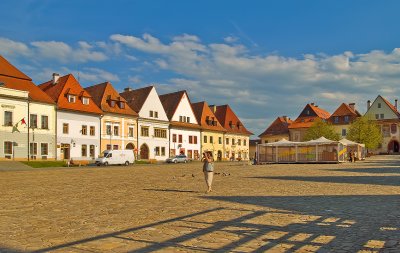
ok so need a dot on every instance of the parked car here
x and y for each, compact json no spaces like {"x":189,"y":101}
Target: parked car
{"x":178,"y":159}
{"x":111,"y":157}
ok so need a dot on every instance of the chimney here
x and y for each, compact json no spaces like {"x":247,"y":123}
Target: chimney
{"x":312,"y":104}
{"x":368,"y":104}
{"x":56,"y":76}
{"x":285,"y":118}
{"x":395,"y":103}
{"x":213,"y":108}
{"x":127,"y":89}
{"x":352,"y":106}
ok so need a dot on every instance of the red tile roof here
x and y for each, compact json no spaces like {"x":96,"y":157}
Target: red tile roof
{"x":390,"y":106}
{"x":308,"y":115}
{"x":203,"y":112}
{"x":171,"y":101}
{"x":279,"y":126}
{"x":104,"y":92}
{"x":229,"y":120}
{"x":344,"y":110}
{"x":69,"y":85}
{"x":136,"y":98}
{"x":15,"y":79}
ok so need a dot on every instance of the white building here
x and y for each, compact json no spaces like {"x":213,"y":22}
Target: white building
{"x":184,"y":128}
{"x":153,"y":122}
{"x":78,"y":119}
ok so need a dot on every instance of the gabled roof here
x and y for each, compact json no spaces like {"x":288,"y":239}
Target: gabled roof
{"x":279,"y":126}
{"x":203,"y":112}
{"x":171,"y":101}
{"x":13,"y":78}
{"x":229,"y":120}
{"x":136,"y":98}
{"x":345,"y":110}
{"x":308,"y":115}
{"x":390,"y":106}
{"x":104,"y":92}
{"x":69,"y":85}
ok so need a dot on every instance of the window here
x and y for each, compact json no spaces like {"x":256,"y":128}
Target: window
{"x":115,"y":147}
{"x":393,"y":128}
{"x":180,"y":138}
{"x":8,"y":147}
{"x":266,"y":141}
{"x":85,"y":100}
{"x":108,"y":147}
{"x":194,"y":139}
{"x":71,"y":98}
{"x":336,"y":119}
{"x":239,"y":142}
{"x":382,"y":116}
{"x":92,"y":151}
{"x":84,"y":130}
{"x":244,"y":142}
{"x":8,"y":118}
{"x":45,"y":122}
{"x":188,"y":119}
{"x":116,"y":130}
{"x":308,"y":112}
{"x":33,"y":121}
{"x":174,"y":138}
{"x":205,"y":139}
{"x":121,"y":104}
{"x":33,"y":148}
{"x":219,"y":140}
{"x":151,"y":114}
{"x":211,"y":139}
{"x":386,"y":131}
{"x":379,"y":105}
{"x":144,"y":131}
{"x":160,"y":133}
{"x":376,"y":116}
{"x":130,"y":131}
{"x":92,"y":131}
{"x":344,"y":132}
{"x":190,"y":139}
{"x":84,"y":150}
{"x":227,"y":141}
{"x":163,"y":151}
{"x":112,"y":103}
{"x":65,"y":128}
{"x":44,"y":148}
{"x":157,"y":151}
{"x":108,"y":129}
{"x":155,"y":114}
{"x":346,"y":119}
{"x":233,"y":141}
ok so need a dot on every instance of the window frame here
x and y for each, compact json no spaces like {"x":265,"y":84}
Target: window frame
{"x":44,"y":118}
{"x":10,"y":123}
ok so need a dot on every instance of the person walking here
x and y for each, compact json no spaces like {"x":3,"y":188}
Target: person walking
{"x":208,"y":169}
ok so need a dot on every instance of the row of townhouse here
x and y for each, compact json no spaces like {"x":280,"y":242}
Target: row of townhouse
{"x":59,"y":119}
{"x":381,"y":110}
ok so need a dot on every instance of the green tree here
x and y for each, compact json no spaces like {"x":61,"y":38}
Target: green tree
{"x":365,"y":131}
{"x":319,"y":129}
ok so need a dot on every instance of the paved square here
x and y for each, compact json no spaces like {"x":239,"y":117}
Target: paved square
{"x":163,"y":208}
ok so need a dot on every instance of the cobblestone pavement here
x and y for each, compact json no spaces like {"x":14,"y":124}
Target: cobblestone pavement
{"x":163,"y":208}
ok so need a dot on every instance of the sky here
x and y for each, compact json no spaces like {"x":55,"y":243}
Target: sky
{"x":263,"y":58}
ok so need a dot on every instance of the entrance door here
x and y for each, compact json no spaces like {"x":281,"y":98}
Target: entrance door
{"x":393,"y":146}
{"x":219,"y":156}
{"x":144,"y":152}
{"x":130,"y":146}
{"x":66,"y":149}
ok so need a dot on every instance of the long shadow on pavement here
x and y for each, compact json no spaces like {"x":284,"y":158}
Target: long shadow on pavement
{"x":377,"y":170}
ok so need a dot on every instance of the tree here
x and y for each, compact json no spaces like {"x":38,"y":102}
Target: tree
{"x":321,"y":128}
{"x":365,"y":131}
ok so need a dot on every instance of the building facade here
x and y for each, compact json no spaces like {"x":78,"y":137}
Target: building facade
{"x":152,"y":126}
{"x":388,"y":118}
{"x":278,"y":130}
{"x":184,"y":128}
{"x":343,"y":116}
{"x":212,"y":133}
{"x":236,"y":138}
{"x":29,"y":117}
{"x":78,"y":119}
{"x":119,"y":121}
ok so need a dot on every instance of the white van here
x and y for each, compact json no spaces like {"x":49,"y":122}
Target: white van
{"x":111,"y":157}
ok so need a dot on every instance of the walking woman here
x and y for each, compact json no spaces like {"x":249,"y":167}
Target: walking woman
{"x":208,"y":169}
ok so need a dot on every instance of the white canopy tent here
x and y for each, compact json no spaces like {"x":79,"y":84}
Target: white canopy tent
{"x":352,"y":146}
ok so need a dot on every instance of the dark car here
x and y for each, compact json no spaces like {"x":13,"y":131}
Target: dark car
{"x":178,"y":159}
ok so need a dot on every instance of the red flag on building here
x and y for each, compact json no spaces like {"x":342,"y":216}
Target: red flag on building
{"x":23,"y":121}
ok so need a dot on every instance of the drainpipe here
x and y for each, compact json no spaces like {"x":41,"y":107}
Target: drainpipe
{"x":29,"y":123}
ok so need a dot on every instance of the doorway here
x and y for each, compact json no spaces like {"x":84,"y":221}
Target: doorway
{"x":393,"y":146}
{"x":144,"y":152}
{"x":65,"y":151}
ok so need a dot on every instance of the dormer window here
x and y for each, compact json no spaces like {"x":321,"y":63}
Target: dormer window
{"x":71,"y":98}
{"x":85,"y":100}
{"x":336,"y":119}
{"x":346,"y":119}
{"x":112,"y":103}
{"x":230,"y":124}
{"x":121,"y":104}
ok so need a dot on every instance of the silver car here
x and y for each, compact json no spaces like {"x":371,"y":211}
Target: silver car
{"x":178,"y":159}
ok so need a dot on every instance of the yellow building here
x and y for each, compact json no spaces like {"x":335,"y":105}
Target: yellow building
{"x":341,"y":119}
{"x":278,"y":130}
{"x":119,"y":122}
{"x":212,"y":132}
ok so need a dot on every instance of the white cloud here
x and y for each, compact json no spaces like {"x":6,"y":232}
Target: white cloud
{"x":134,"y":79}
{"x":12,"y":48}
{"x":231,"y":39}
{"x":95,"y":75}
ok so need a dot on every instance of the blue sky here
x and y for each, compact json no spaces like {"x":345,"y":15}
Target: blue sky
{"x":264,"y":58}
